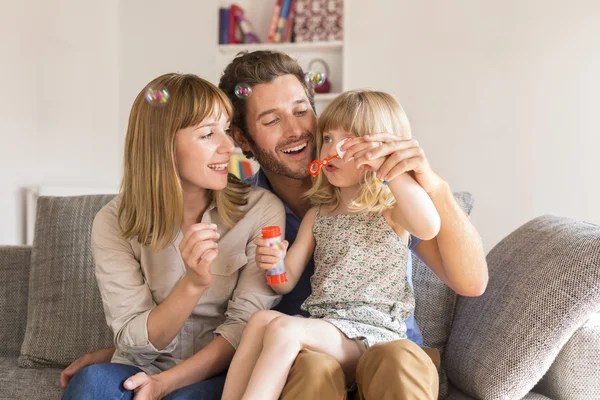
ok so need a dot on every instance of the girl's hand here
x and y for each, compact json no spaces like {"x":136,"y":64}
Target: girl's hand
{"x":198,"y":250}
{"x":396,"y":156}
{"x":146,"y":387}
{"x":267,"y":257}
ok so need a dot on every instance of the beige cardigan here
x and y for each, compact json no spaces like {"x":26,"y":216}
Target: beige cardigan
{"x":133,"y":280}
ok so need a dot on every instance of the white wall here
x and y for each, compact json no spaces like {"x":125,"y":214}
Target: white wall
{"x":71,"y":70}
{"x":500,"y":95}
{"x":59,"y":102}
{"x":157,"y":37}
{"x":503,"y":97}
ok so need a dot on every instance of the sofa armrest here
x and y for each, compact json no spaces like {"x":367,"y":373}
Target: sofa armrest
{"x":544,"y":284}
{"x":14,"y":285}
{"x":575,"y":372}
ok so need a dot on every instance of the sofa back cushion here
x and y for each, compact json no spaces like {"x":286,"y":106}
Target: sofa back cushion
{"x":434,"y":308}
{"x":14,"y":282}
{"x":65,"y":317}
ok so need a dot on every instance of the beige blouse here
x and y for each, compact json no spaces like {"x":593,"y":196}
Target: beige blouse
{"x":133,"y":280}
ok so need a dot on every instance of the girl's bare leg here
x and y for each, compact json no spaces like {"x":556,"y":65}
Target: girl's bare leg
{"x":283,"y":339}
{"x":247,"y":354}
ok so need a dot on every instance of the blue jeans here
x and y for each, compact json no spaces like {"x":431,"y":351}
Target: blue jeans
{"x":105,"y":382}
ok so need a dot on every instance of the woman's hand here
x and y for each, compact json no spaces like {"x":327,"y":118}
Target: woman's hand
{"x":146,"y":387}
{"x":198,"y":250}
{"x":391,"y":156}
{"x":95,"y":357}
{"x":267,"y":257}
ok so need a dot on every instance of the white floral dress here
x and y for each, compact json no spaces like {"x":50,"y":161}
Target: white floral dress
{"x":359,"y":284}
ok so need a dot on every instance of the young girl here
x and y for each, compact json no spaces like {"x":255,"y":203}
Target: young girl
{"x":359,"y":231}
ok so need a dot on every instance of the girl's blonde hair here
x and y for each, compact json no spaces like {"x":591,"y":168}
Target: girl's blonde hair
{"x":360,"y":112}
{"x":151,"y":206}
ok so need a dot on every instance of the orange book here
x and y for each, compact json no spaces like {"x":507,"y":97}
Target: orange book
{"x":274,"y":20}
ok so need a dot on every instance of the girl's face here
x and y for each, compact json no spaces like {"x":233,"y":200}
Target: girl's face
{"x":338,"y":173}
{"x":202,"y":154}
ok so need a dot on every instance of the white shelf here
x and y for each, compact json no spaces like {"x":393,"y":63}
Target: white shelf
{"x":325,"y":96}
{"x":284,"y":47}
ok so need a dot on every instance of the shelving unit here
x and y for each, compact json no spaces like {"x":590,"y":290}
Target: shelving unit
{"x":259,"y":13}
{"x":285,"y":47}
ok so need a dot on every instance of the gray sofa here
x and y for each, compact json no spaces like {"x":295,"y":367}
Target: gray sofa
{"x":534,"y":334}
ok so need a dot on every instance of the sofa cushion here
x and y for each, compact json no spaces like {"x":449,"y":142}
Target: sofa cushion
{"x":14,"y":281}
{"x":27,"y":384}
{"x":434,"y":301}
{"x":65,"y":316}
{"x":544,"y":284}
{"x":575,"y":373}
{"x":455,"y":394}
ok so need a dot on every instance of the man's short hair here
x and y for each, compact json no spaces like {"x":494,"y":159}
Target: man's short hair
{"x":255,"y":68}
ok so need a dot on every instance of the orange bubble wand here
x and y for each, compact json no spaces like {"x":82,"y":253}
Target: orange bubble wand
{"x":315,"y":167}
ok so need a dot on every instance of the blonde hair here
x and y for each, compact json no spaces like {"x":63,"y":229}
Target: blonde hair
{"x":360,"y":112}
{"x":151,"y":205}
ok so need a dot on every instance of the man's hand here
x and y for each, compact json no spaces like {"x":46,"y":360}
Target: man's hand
{"x":198,"y":250}
{"x":393,"y":157}
{"x":146,"y":387}
{"x":96,"y":357}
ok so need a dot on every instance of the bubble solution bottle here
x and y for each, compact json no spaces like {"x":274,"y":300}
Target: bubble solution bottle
{"x":272,"y":235}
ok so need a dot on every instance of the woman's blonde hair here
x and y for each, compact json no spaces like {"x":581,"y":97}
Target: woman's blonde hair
{"x":360,"y":112}
{"x":151,"y":205}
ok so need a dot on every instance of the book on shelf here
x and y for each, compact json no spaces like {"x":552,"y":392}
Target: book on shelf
{"x":223,"y":25}
{"x":274,"y":20}
{"x":240,"y":166}
{"x":234,"y":28}
{"x":283,"y":21}
{"x":287,"y":37}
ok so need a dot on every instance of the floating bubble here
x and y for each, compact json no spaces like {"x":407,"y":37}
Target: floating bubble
{"x":157,"y":95}
{"x":243,"y":90}
{"x":315,"y":78}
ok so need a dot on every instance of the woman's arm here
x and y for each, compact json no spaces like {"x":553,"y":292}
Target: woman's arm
{"x":208,"y":362}
{"x":197,"y":251}
{"x":251,"y":292}
{"x":414,"y":210}
{"x":142,"y":328}
{"x":296,"y":258}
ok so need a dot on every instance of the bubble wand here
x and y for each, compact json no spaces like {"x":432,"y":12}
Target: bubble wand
{"x":315,"y":167}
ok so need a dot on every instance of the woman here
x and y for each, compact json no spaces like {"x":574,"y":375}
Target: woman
{"x":174,"y":252}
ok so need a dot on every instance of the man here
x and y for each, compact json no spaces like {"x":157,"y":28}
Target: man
{"x":276,"y":125}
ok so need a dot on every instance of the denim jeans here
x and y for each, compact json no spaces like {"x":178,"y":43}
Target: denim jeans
{"x":105,"y":382}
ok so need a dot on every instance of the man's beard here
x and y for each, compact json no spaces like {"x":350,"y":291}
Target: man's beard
{"x":268,"y":161}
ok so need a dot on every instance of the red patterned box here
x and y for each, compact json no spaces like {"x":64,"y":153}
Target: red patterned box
{"x":319,"y":20}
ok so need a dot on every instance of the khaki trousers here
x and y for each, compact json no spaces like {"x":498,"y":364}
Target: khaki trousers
{"x":398,"y":370}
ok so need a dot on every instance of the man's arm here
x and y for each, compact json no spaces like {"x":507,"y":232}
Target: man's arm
{"x":456,"y":254}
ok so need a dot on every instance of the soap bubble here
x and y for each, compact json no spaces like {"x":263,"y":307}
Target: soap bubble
{"x":243,"y":90}
{"x":157,"y":95}
{"x":315,"y":78}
